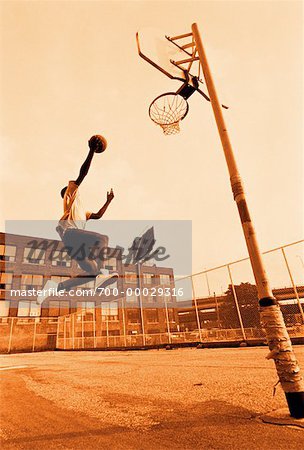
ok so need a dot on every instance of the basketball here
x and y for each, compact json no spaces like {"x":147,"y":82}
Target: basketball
{"x":98,"y":143}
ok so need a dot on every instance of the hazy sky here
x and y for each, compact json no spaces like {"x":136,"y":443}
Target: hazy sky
{"x":71,"y":69}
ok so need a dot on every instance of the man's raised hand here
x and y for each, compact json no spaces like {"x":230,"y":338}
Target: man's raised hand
{"x":110,"y":195}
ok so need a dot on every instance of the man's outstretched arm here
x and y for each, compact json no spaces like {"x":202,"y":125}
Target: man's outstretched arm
{"x":95,"y":144}
{"x":100,"y":213}
{"x":85,"y":167}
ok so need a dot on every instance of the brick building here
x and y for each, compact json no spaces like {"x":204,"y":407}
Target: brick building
{"x":121,"y":311}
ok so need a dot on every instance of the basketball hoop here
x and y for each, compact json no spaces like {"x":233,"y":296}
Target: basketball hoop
{"x":168,"y":110}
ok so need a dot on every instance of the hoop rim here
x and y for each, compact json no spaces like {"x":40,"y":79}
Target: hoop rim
{"x":163,"y":95}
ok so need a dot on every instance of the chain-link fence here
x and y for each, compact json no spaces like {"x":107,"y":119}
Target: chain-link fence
{"x":215,"y":305}
{"x":28,"y":334}
{"x":225,"y":302}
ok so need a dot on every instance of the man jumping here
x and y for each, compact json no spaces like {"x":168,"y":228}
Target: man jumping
{"x":75,"y":237}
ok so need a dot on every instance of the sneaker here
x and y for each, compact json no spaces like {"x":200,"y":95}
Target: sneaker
{"x":48,"y":290}
{"x":105,"y":278}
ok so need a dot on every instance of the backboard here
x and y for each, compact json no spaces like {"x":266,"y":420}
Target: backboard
{"x":142,"y":246}
{"x":157,"y":49}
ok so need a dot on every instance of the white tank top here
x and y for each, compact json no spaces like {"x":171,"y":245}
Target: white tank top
{"x":74,"y":215}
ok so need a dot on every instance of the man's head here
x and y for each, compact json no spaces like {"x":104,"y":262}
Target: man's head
{"x":63,"y":191}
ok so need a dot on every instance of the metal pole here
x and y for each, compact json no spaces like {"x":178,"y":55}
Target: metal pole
{"x":10,"y":336}
{"x":293,"y":284}
{"x":34,"y":335}
{"x":235,"y":179}
{"x":167,"y":320}
{"x":196,"y":310}
{"x":217,"y":311}
{"x":208,"y":286}
{"x":64,"y":334}
{"x":141,"y":305}
{"x":107,"y":330}
{"x":82,"y":329}
{"x":57,"y":332}
{"x":103,"y":320}
{"x":236,"y":303}
{"x":271,"y":316}
{"x":73,"y":330}
{"x":94,"y":328}
{"x":123,"y":320}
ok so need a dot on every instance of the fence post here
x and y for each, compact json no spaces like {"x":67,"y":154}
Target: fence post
{"x":82,"y":330}
{"x":293,"y":285}
{"x":217,"y":310}
{"x":123,"y":320}
{"x":236,"y":303}
{"x":196,"y":310}
{"x":10,"y":335}
{"x":167,"y":320}
{"x":107,"y":330}
{"x":34,"y":335}
{"x":141,"y":304}
{"x":64,"y":333}
{"x":94,"y":328}
{"x":208,"y":286}
{"x":73,"y":329}
{"x":57,"y":333}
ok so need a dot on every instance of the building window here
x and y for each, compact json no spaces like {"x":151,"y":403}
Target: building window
{"x":133,"y":316}
{"x":152,"y":315}
{"x":60,"y":258}
{"x":165,"y":279}
{"x":130,"y":277}
{"x":88,"y":307}
{"x":4,"y":308}
{"x":30,"y":281}
{"x":6,"y":279}
{"x":150,"y":298}
{"x":34,"y":256}
{"x":148,"y":278}
{"x":7,"y":253}
{"x":132,"y":298}
{"x":165,"y":299}
{"x":109,"y":311}
{"x":28,"y":309}
{"x":58,"y":308}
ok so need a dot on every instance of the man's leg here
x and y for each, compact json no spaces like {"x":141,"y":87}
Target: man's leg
{"x":92,"y":245}
{"x":95,"y":243}
{"x":80,"y":243}
{"x":90,"y":268}
{"x":76,"y":243}
{"x":50,"y":286}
